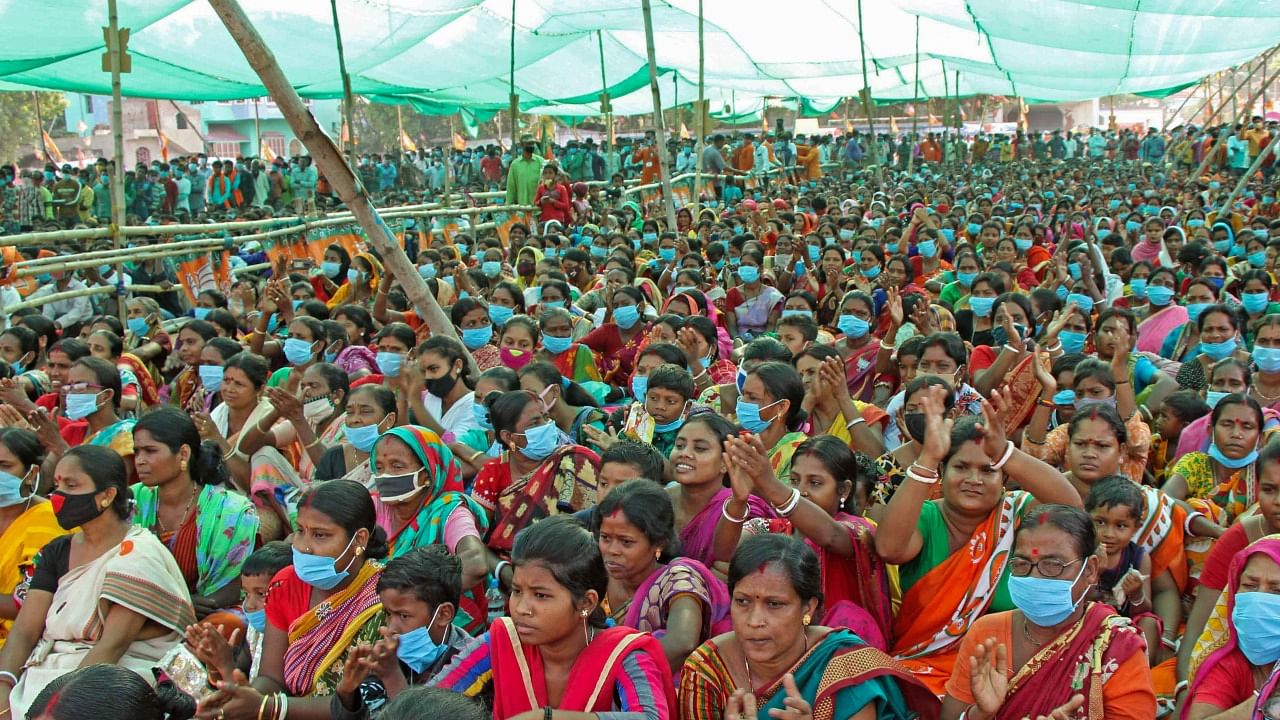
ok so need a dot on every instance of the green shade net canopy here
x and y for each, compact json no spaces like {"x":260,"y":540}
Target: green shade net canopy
{"x":444,"y":55}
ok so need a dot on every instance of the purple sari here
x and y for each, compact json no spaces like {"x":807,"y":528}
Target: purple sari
{"x":698,"y":537}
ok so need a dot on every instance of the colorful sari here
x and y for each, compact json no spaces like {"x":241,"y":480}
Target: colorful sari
{"x":185,"y":386}
{"x":1162,"y":535}
{"x":782,"y":453}
{"x":1153,"y":331}
{"x":565,"y":482}
{"x":839,"y":676}
{"x":698,"y":537}
{"x":148,"y":391}
{"x":860,"y":368}
{"x":139,"y":575}
{"x":1235,"y":496}
{"x":320,"y":639}
{"x":519,"y":682}
{"x":940,"y":607}
{"x":1077,"y":662}
{"x":19,"y":544}
{"x":681,"y":577}
{"x":213,"y":541}
{"x":577,"y":363}
{"x":117,"y":436}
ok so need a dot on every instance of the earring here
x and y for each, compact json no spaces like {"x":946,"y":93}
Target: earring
{"x":806,"y":619}
{"x":183,"y":466}
{"x":657,"y":554}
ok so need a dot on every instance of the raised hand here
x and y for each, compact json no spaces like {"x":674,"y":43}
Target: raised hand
{"x":741,"y":704}
{"x":795,"y":707}
{"x":1059,"y":321}
{"x":834,"y":380}
{"x":749,"y":455}
{"x":602,"y":439}
{"x":287,"y":404}
{"x":894,"y":305}
{"x":937,"y":427}
{"x":987,"y":678}
{"x":995,"y":413}
{"x":1013,"y":337}
{"x":209,"y":646}
{"x":356,"y":669}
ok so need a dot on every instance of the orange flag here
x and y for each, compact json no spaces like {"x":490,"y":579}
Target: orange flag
{"x":52,"y":148}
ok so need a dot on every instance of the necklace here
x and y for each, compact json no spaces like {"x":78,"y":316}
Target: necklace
{"x":1026,"y":632}
{"x":183,"y":517}
{"x":751,"y":685}
{"x":1263,"y":396}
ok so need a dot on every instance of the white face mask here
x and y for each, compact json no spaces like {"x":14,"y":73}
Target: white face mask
{"x":317,"y":409}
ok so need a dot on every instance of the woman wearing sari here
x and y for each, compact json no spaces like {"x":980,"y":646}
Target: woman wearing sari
{"x":471,"y":317}
{"x":536,"y":476}
{"x":27,"y":520}
{"x":570,"y":405}
{"x":574,"y":360}
{"x":1015,"y":363}
{"x":191,"y":339}
{"x":681,"y":602}
{"x":620,"y":335}
{"x":1164,"y":316}
{"x":857,"y":346}
{"x":1182,"y":344}
{"x":419,"y":484}
{"x":1057,"y":654}
{"x":87,"y":381}
{"x":855,"y":584}
{"x":371,"y":411}
{"x":181,"y":497}
{"x":777,"y":663}
{"x":318,"y":609}
{"x":1227,"y":474}
{"x":553,"y":656}
{"x":752,"y":307}
{"x":1234,"y":675}
{"x":303,"y":424}
{"x":775,"y":390}
{"x":363,"y":278}
{"x":952,"y":551}
{"x":110,"y":593}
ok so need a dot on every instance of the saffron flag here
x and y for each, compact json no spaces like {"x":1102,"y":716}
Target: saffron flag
{"x":264,"y":151}
{"x":407,"y":143}
{"x":164,"y":146}
{"x":52,"y":148}
{"x":459,"y":143}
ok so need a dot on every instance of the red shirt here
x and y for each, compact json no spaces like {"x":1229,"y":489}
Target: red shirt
{"x":1216,"y":566}
{"x":491,"y":168}
{"x":1224,"y":685}
{"x":557,"y":206}
{"x":288,"y":599}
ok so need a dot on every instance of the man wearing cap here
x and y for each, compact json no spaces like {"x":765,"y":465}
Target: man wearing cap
{"x":524,"y":174}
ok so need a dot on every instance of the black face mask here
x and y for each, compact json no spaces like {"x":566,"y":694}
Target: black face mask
{"x":73,"y":511}
{"x":915,"y":425}
{"x":441,"y":386}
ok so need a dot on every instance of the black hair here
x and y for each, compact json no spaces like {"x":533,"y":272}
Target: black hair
{"x":504,"y":375}
{"x":336,"y":379}
{"x":841,"y":462}
{"x":398,"y":331}
{"x":174,"y":428}
{"x":383,"y":396}
{"x":765,"y":349}
{"x":431,"y":573}
{"x":358,"y":316}
{"x":670,"y":354}
{"x":1122,"y":313}
{"x":348,"y":504}
{"x":707,"y":329}
{"x":226,"y":347}
{"x":1071,"y":520}
{"x":107,"y":470}
{"x":110,"y":692}
{"x":817,"y":352}
{"x":452,"y":351}
{"x":27,"y":343}
{"x":923,"y":381}
{"x":1100,"y":411}
{"x":1237,"y":399}
{"x":1232,"y":313}
{"x":115,"y":345}
{"x":223,"y":319}
{"x":268,"y":559}
{"x":1186,"y":405}
{"x":73,"y":348}
{"x":42,"y":326}
{"x":1066,"y":362}
{"x":1231,"y":362}
{"x":514,"y":291}
{"x":344,"y":260}
{"x":950,"y":343}
{"x":673,"y":378}
{"x":783,"y":382}
{"x":105,"y":375}
{"x":1097,"y":369}
{"x":505,"y":409}
{"x":25,"y":446}
{"x":647,"y":507}
{"x":314,"y":309}
{"x":203,"y":328}
{"x":254,"y":367}
{"x":807,"y":326}
{"x":420,"y":701}
{"x":1021,"y":301}
{"x":793,"y":556}
{"x":1115,"y":491}
{"x":643,"y":456}
{"x":548,"y":374}
{"x":569,"y":553}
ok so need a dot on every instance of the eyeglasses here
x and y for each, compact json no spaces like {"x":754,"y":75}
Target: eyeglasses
{"x":1048,"y":567}
{"x":78,"y":388}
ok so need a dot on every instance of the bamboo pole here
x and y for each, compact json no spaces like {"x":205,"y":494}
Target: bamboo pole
{"x":348,"y":105}
{"x":44,"y":148}
{"x":330,"y":161}
{"x":1227,"y":128}
{"x":116,"y":61}
{"x":700,"y":143}
{"x":915,"y":110}
{"x":74,"y":294}
{"x":512,"y":96}
{"x":866,"y":100}
{"x":660,"y":131}
{"x":606,"y":103}
{"x":1244,"y":179}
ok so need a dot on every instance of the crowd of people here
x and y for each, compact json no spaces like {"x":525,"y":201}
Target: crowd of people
{"x":982,"y":431}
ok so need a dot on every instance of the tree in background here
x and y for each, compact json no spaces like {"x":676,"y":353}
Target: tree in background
{"x":18,"y":138}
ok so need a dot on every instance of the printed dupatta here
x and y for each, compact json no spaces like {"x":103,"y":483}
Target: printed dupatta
{"x":322,"y":635}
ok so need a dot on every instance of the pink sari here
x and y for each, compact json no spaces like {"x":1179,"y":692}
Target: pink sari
{"x":698,"y":537}
{"x":1153,"y":330}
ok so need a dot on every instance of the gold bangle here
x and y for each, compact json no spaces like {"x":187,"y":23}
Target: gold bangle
{"x":311,"y":444}
{"x":262,"y":706}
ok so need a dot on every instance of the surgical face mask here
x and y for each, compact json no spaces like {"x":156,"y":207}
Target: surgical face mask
{"x":966,"y":278}
{"x":981,"y":306}
{"x":1045,"y":601}
{"x":389,"y":363}
{"x":1084,"y":302}
{"x":201,"y":313}
{"x":1254,"y":302}
{"x":1256,"y":618}
{"x":749,"y":416}
{"x":749,"y":273}
{"x":1022,"y":244}
{"x":318,"y":571}
{"x":80,"y":406}
{"x":683,"y":290}
{"x":639,"y":387}
{"x":11,"y":489}
{"x":1138,"y":286}
{"x":1159,"y":295}
{"x":211,"y":377}
{"x":1084,"y":402}
{"x":1072,"y":342}
{"x":356,"y":276}
{"x":257,"y":619}
{"x":1065,"y":398}
{"x":417,"y":649}
{"x":556,"y":345}
{"x":928,"y":248}
{"x":297,"y":351}
{"x":500,"y":314}
{"x":552,"y":305}
{"x":1233,"y":463}
{"x":427,"y":270}
{"x":1257,"y":259}
{"x":626,"y":316}
{"x":1220,"y":350}
{"x":1266,"y":358}
{"x":396,"y":488}
{"x":872,"y":272}
{"x":491,"y":268}
{"x":540,"y":441}
{"x":362,"y":438}
{"x":1193,"y":309}
{"x":318,"y":408}
{"x":671,"y":426}
{"x":137,"y":326}
{"x":1213,"y":397}
{"x":1074,"y":270}
{"x":853,"y":326}
{"x":476,"y":338}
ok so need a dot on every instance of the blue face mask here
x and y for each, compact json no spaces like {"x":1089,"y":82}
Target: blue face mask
{"x":551,"y":304}
{"x":362,"y":438}
{"x":500,"y":314}
{"x":599,"y":251}
{"x":201,"y":313}
{"x":1254,"y":302}
{"x":1257,"y":259}
{"x":418,"y":650}
{"x":491,"y":268}
{"x":814,"y":253}
{"x":1022,"y":244}
{"x":749,"y":416}
{"x":1084,"y":302}
{"x":740,"y":379}
{"x":355,"y":276}
{"x":137,"y":326}
{"x":211,"y":377}
{"x":1159,"y":295}
{"x":1220,"y":350}
{"x":1193,"y":310}
{"x":1195,"y":223}
{"x":1065,"y":398}
{"x":331,"y":269}
{"x":1072,"y":342}
{"x":462,"y":250}
{"x":389,"y":363}
{"x":1074,"y":270}
{"x":1266,"y":358}
{"x":981,"y":306}
{"x":1132,"y":225}
{"x":669,"y":427}
{"x":853,"y":326}
{"x":1222,"y":245}
{"x":948,"y":234}
{"x":1215,"y":281}
{"x":427,"y":270}
{"x":1213,"y":397}
{"x":480,"y":412}
{"x":257,"y":619}
{"x":626,"y":316}
{"x":1233,"y":463}
{"x":318,"y":571}
{"x":966,"y":278}
{"x":891,"y":248}
{"x":667,"y":254}
{"x":476,"y":338}
{"x":749,"y":273}
{"x":639,"y":387}
{"x":80,"y":406}
{"x":1103,"y":233}
{"x":928,"y":248}
{"x":556,"y":345}
{"x":11,"y":490}
{"x":540,"y":441}
{"x":1256,"y":618}
{"x":1044,"y":601}
{"x":298,"y":352}
{"x":871,"y":273}
{"x":1113,"y":204}
{"x":1138,"y":286}
{"x":790,"y":312}
{"x":649,"y":237}
{"x":1062,"y":292}
{"x":973,"y":229}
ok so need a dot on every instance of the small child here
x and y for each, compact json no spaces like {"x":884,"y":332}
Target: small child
{"x":622,"y":461}
{"x":1116,"y":505}
{"x":255,"y":578}
{"x":420,"y":593}
{"x":1179,"y":410}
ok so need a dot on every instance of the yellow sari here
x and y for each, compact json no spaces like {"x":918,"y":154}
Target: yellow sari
{"x":19,"y":543}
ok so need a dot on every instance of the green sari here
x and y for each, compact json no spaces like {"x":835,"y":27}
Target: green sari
{"x":226,"y":528}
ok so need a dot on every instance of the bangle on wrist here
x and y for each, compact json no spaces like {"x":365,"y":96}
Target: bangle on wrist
{"x":789,"y":507}
{"x":1008,"y":453}
{"x":1047,"y":404}
{"x":8,"y":677}
{"x":724,"y":511}
{"x":849,"y":425}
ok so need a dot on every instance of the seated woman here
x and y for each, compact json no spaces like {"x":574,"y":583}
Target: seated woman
{"x":213,"y":360}
{"x":553,"y":657}
{"x":830,"y":408}
{"x":480,"y":440}
{"x":1057,"y":653}
{"x":110,"y":593}
{"x":1225,"y":476}
{"x":182,"y":497}
{"x":774,"y":389}
{"x":952,"y":551}
{"x":776,"y":662}
{"x":371,"y":411}
{"x":471,"y":318}
{"x":568,"y":403}
{"x":910,"y":424}
{"x":20,"y":350}
{"x":724,"y":398}
{"x":1235,"y":675}
{"x":134,"y":377}
{"x":355,"y":358}
{"x":95,"y":419}
{"x":27,"y":520}
{"x":301,"y":427}
{"x":109,"y":692}
{"x":439,"y":389}
{"x":318,"y":609}
{"x":430,"y":510}
{"x":190,"y":342}
{"x":855,"y":583}
{"x":681,"y":602}
{"x":573,"y":359}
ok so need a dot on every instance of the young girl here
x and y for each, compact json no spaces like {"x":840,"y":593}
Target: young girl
{"x":1116,"y":505}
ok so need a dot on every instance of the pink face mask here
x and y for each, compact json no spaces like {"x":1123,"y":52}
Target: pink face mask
{"x":513,"y":358}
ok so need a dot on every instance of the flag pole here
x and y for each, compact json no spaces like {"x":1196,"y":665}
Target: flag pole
{"x":116,"y":65}
{"x":660,"y":132}
{"x":44,"y":149}
{"x":347,"y":104}
{"x":701,"y":124}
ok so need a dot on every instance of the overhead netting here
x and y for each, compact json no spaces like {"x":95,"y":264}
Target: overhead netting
{"x":447,"y":54}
